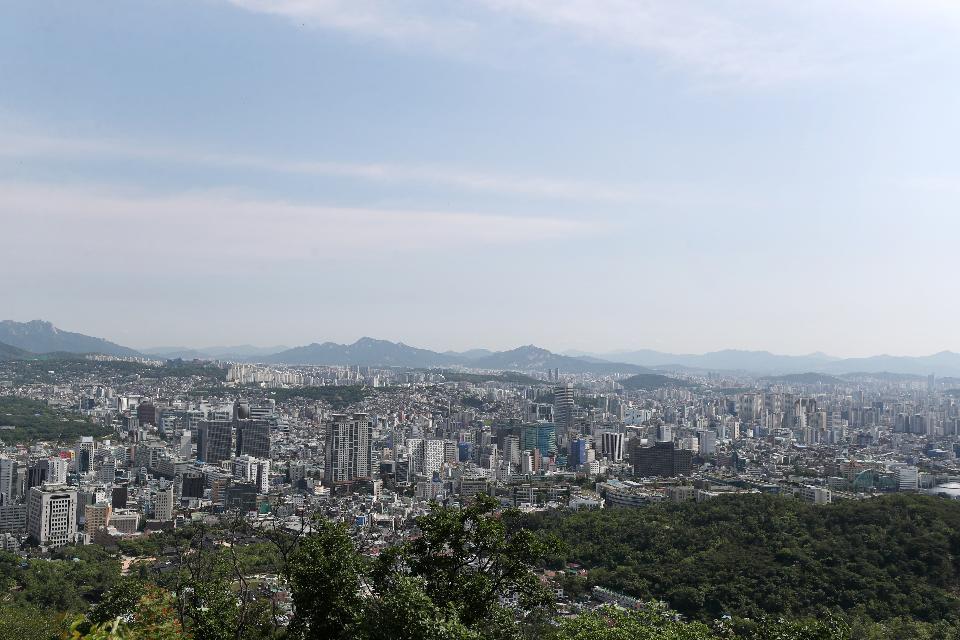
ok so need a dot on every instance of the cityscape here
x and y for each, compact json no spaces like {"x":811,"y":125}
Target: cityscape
{"x":123,"y":452}
{"x":479,"y":320}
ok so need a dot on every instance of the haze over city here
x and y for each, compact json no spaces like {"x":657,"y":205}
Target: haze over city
{"x":683,"y":176}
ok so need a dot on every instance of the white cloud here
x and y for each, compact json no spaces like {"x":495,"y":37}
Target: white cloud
{"x":19,"y":145}
{"x":47,"y":226}
{"x":759,"y":42}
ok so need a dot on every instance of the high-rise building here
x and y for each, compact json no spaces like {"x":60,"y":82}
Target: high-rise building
{"x":96,"y":517}
{"x":37,"y":473}
{"x":163,"y":502}
{"x":107,"y":473}
{"x":707,"y":442}
{"x":85,"y":451}
{"x":253,"y":437}
{"x":52,"y":515}
{"x":434,"y":455}
{"x":8,"y":480}
{"x":578,"y":452}
{"x":511,"y":450}
{"x":118,"y":496}
{"x":57,"y":471}
{"x":255,"y":470}
{"x":663,"y":459}
{"x":147,"y":413}
{"x":611,"y":444}
{"x":564,"y":407}
{"x":349,"y":448}
{"x":908,"y":478}
{"x":214,"y":440}
{"x":541,"y":436}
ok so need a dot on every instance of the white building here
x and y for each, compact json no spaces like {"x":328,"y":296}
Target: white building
{"x":255,"y":470}
{"x":611,"y":444}
{"x":8,"y":480}
{"x":52,"y":515}
{"x":908,"y":478}
{"x":57,"y":471}
{"x":816,"y":495}
{"x":163,"y":503}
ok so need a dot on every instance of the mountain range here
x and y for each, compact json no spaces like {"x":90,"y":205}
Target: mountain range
{"x":372,"y":352}
{"x":25,"y":339}
{"x":237,"y":352}
{"x":38,"y":336}
{"x":945,"y":363}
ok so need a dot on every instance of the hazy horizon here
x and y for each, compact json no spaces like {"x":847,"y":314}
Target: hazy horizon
{"x":143,"y":348}
{"x":683,"y":176}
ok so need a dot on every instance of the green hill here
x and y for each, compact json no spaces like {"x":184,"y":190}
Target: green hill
{"x":876,"y":559}
{"x":9,"y":352}
{"x":651,"y":381}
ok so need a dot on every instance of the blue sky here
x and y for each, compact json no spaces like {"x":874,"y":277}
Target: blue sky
{"x":590,"y":174}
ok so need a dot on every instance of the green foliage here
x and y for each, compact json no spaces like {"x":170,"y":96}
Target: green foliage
{"x":326,"y":577}
{"x":35,"y":420}
{"x":152,"y":617}
{"x":336,"y":397}
{"x":69,"y":582}
{"x":651,"y":381}
{"x":66,"y":367}
{"x":468,"y":559}
{"x":25,"y":622}
{"x":757,"y":556}
{"x":615,"y":624}
{"x":479,"y":378}
{"x":406,"y":612}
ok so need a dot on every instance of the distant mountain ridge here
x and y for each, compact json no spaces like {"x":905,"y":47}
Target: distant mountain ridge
{"x":945,"y":363}
{"x":238,"y":352}
{"x":20,"y":340}
{"x":365,"y":352}
{"x":8,"y":352}
{"x":38,"y":336}
{"x":371,"y":352}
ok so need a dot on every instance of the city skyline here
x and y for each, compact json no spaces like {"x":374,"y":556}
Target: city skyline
{"x":682,"y":177}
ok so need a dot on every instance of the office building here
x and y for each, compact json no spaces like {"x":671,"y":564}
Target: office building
{"x":163,"y":502}
{"x":541,"y":436}
{"x":253,"y":470}
{"x":663,"y":459}
{"x":8,"y":480}
{"x":96,"y":517}
{"x":214,"y":440}
{"x":85,"y":451}
{"x":611,"y":444}
{"x":52,"y":515}
{"x":564,"y":407}
{"x":57,"y":471}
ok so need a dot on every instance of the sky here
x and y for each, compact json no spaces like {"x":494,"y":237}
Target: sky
{"x":682,"y":175}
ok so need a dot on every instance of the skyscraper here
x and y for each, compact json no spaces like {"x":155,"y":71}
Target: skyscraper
{"x":253,"y":438}
{"x":663,"y":459}
{"x":214,"y":440}
{"x":563,"y":407}
{"x":57,"y":471}
{"x":349,"y":448}
{"x":85,"y":451}
{"x":541,"y":436}
{"x":612,"y":445}
{"x":8,"y":480}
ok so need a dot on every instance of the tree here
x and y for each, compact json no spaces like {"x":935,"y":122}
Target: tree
{"x":326,"y":578}
{"x":614,"y":624}
{"x":470,"y":562}
{"x":406,"y":612}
